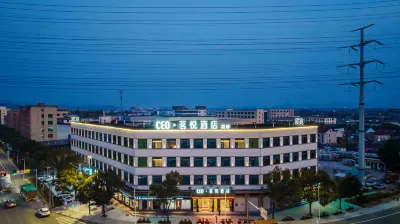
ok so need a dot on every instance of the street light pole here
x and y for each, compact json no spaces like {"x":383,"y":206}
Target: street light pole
{"x":23,"y":174}
{"x":134,"y":201}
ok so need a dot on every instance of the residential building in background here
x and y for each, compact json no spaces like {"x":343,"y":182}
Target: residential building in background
{"x":13,"y":119}
{"x":182,"y":111}
{"x":62,"y":113}
{"x":214,"y":161}
{"x":279,"y":114}
{"x":39,"y":122}
{"x":241,"y":117}
{"x":320,"y":120}
{"x":394,"y":114}
{"x":3,"y":115}
{"x":327,"y":136}
{"x":381,"y":135}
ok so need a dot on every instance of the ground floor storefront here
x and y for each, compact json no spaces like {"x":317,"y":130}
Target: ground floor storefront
{"x":195,"y":202}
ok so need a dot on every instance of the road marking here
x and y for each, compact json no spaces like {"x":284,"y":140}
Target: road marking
{"x":66,"y":220}
{"x":376,"y":218}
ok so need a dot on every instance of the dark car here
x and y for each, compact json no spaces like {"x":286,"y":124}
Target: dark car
{"x":10,"y":203}
{"x":379,"y":186}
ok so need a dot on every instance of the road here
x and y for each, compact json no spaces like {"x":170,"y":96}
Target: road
{"x":387,"y":217}
{"x":24,"y":213}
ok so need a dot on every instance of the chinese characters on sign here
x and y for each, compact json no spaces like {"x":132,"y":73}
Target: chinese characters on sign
{"x":213,"y":191}
{"x":298,"y":121}
{"x":190,"y":125}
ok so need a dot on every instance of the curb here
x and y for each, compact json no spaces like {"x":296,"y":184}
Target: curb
{"x":77,"y":219}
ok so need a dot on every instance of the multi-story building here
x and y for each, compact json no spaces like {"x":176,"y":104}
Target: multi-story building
{"x":279,"y":114}
{"x":394,"y":114}
{"x":62,"y":113}
{"x":327,"y":135}
{"x":3,"y":115}
{"x":182,"y":111}
{"x":39,"y":122}
{"x":241,"y":117}
{"x":320,"y":120}
{"x":219,"y":166}
{"x":13,"y":119}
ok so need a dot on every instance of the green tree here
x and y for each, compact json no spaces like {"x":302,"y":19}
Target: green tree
{"x":347,"y":187}
{"x":86,"y":191}
{"x":283,"y":190}
{"x":390,"y":154}
{"x":106,"y":185}
{"x":166,"y":190}
{"x":70,"y":179}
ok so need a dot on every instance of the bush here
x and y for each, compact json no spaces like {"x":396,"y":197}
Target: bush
{"x":324,"y":214}
{"x":288,"y":218}
{"x":307,"y":216}
{"x":338,"y":212}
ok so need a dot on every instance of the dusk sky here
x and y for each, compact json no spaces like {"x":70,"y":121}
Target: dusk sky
{"x":231,"y":54}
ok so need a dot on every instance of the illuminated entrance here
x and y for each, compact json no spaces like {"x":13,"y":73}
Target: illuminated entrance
{"x":210,"y":204}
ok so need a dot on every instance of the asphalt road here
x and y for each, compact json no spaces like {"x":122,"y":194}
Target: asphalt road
{"x":387,"y":217}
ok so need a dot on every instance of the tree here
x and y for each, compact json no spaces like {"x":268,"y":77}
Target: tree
{"x":70,"y":178}
{"x":347,"y":187}
{"x":390,"y":154}
{"x":86,"y":191}
{"x":283,"y":191}
{"x":106,"y":185}
{"x":166,"y":190}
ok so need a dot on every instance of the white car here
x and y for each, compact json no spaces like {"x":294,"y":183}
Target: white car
{"x":43,"y":212}
{"x":370,"y":183}
{"x":68,"y":198}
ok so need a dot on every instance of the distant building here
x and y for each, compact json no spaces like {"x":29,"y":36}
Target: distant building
{"x":107,"y":119}
{"x":327,"y":136}
{"x":182,"y":111}
{"x":394,"y":114}
{"x":279,"y":114}
{"x":3,"y":114}
{"x":39,"y":122}
{"x":320,"y":120}
{"x":240,"y":117}
{"x":62,"y":113}
{"x":381,"y":134}
{"x":13,"y":119}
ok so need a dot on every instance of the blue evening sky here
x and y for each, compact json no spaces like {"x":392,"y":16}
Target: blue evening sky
{"x":214,"y":53}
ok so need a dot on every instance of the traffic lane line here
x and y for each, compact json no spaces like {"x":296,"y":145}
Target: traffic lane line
{"x":380,"y":217}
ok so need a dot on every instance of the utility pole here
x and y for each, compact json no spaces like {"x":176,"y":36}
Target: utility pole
{"x":361,"y":83}
{"x":120,"y":97}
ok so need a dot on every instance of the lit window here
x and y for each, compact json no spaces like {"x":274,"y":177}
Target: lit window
{"x":157,"y":143}
{"x":239,"y":143}
{"x":157,"y":161}
{"x":225,"y":143}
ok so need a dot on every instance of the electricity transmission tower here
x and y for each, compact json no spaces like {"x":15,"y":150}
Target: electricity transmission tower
{"x":361,"y":83}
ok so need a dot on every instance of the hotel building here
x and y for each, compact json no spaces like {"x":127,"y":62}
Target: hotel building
{"x":221,"y":168}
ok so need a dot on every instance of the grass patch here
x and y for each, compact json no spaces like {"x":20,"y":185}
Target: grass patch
{"x":370,"y":199}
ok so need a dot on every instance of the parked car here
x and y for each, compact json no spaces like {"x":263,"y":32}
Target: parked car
{"x":43,"y":212}
{"x":68,"y":198}
{"x":379,"y":186}
{"x":10,"y":203}
{"x":370,"y":183}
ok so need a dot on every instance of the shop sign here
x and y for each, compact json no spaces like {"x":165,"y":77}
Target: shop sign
{"x":190,"y":125}
{"x":214,"y":191}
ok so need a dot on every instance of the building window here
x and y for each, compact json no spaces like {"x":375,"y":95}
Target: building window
{"x":142,"y":161}
{"x":156,"y":143}
{"x":253,"y":143}
{"x":239,"y":179}
{"x":225,"y":161}
{"x":211,"y":161}
{"x":119,"y":140}
{"x":108,"y":138}
{"x":304,"y":155}
{"x":198,"y":180}
{"x":49,"y":122}
{"x":198,"y":161}
{"x":185,"y":143}
{"x":266,"y":178}
{"x":114,"y":139}
{"x":286,"y":140}
{"x":277,"y":159}
{"x":253,"y":161}
{"x":277,"y":141}
{"x":130,"y":160}
{"x":225,"y":143}
{"x":157,"y":179}
{"x":266,"y":142}
{"x":266,"y":161}
{"x":295,"y":156}
{"x":157,"y":161}
{"x":50,"y":129}
{"x":239,"y":143}
{"x":142,"y":143}
{"x":124,"y":141}
{"x":185,"y":180}
{"x":171,"y":143}
{"x":239,"y":161}
{"x":286,"y":158}
{"x":304,"y":139}
{"x":142,"y":180}
{"x":225,"y":179}
{"x":211,"y":143}
{"x":313,"y":138}
{"x":211,"y":179}
{"x":171,"y":161}
{"x":313,"y":154}
{"x":131,"y":143}
{"x":50,"y":136}
{"x":253,"y":179}
{"x":49,"y":115}
{"x":185,"y":161}
{"x":101,"y":136}
{"x":131,"y":178}
{"x":42,"y":115}
{"x":295,"y":173}
{"x":295,"y":139}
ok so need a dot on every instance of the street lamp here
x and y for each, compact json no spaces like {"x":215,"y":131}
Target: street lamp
{"x":23,"y":174}
{"x":89,"y":160}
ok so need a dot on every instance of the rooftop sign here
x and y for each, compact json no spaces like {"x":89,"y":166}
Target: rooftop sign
{"x":190,"y":125}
